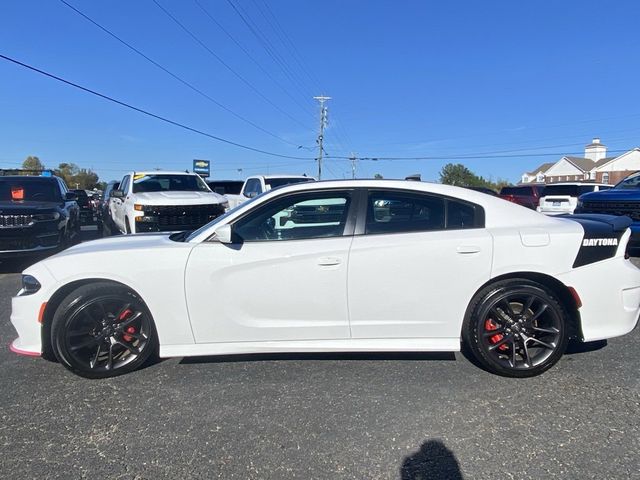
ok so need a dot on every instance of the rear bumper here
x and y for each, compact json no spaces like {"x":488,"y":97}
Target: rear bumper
{"x":610,"y":295}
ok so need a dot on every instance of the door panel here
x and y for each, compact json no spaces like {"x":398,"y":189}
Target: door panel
{"x":415,"y":284}
{"x":278,"y":290}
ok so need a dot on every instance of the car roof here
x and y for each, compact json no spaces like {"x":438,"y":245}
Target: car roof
{"x":268,"y":177}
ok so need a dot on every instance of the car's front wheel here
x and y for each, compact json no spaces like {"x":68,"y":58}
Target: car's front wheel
{"x":102,"y":330}
{"x":516,"y":328}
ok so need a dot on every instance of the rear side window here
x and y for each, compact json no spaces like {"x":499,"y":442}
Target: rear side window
{"x":400,"y":212}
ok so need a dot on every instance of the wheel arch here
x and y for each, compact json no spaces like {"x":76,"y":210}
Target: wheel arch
{"x":562,"y":292}
{"x":56,"y":299}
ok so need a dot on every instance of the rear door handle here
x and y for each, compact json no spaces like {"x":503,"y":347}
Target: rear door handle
{"x":466,"y":249}
{"x":329,"y":261}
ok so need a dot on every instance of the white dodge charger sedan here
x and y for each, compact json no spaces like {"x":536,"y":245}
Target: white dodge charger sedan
{"x":362,"y":265}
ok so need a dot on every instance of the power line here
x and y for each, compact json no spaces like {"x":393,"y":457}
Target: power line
{"x":251,"y":57}
{"x":175,"y":76}
{"x":475,"y":157}
{"x":145,"y":112}
{"x":268,"y":46}
{"x":226,"y":65}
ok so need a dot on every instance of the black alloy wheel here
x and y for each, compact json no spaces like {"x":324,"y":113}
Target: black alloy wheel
{"x":517,"y":328}
{"x":102,"y":330}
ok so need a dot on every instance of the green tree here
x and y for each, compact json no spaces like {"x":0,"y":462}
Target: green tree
{"x":76,"y":177}
{"x":32,"y":163}
{"x":461,"y":176}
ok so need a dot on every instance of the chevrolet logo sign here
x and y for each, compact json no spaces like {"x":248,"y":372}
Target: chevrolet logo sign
{"x":201,"y":164}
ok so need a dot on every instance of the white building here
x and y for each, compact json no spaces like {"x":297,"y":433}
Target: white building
{"x":594,"y":166}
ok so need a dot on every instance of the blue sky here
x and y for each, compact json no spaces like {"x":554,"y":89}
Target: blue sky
{"x":408,"y":79}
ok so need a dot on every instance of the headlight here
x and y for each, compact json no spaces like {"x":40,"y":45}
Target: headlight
{"x":29,"y":285}
{"x":43,"y":217}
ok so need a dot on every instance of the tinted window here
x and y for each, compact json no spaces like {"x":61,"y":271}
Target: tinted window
{"x":516,"y":191}
{"x":278,"y":182}
{"x":168,"y":182}
{"x":391,"y":212}
{"x":296,"y":217}
{"x":224,"y":188}
{"x":632,"y":181}
{"x":125,"y":184}
{"x":252,"y":187}
{"x":29,"y":190}
{"x":399,"y":212}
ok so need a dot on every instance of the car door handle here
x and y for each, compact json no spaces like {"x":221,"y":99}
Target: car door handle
{"x":329,"y":261}
{"x":466,"y":249}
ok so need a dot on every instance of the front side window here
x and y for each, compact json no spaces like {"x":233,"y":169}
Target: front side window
{"x":400,"y":212}
{"x":252,"y":188}
{"x":125,"y":184}
{"x":296,"y":217}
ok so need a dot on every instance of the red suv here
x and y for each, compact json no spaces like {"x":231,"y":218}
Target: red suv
{"x":525,"y":195}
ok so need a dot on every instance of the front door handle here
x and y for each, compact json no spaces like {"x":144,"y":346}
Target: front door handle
{"x":467,"y":249}
{"x":329,"y":261}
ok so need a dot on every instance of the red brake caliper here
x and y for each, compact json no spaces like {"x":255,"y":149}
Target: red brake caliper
{"x":129,"y":329}
{"x":490,"y":325}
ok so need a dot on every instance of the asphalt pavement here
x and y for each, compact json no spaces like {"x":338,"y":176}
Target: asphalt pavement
{"x":400,"y":416}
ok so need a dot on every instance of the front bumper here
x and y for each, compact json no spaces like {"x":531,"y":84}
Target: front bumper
{"x":25,"y":311}
{"x":30,"y":239}
{"x":610,"y":295}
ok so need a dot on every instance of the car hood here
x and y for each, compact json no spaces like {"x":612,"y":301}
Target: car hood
{"x":612,"y":195}
{"x":26,"y":208}
{"x":179,"y":198}
{"x":141,"y":241}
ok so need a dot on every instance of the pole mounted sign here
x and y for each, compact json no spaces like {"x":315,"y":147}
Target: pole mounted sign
{"x":202,"y":167}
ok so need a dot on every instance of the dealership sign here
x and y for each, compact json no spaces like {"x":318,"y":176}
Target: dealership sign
{"x":202,"y":167}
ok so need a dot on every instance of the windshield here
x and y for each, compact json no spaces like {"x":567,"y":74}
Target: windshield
{"x":278,"y":182}
{"x":632,"y":181}
{"x":29,"y":190}
{"x":569,"y":190}
{"x":230,"y":212}
{"x":516,"y":191}
{"x":164,"y":182}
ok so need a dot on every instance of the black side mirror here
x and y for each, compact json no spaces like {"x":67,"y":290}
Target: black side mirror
{"x":117,"y":193}
{"x":70,"y":197}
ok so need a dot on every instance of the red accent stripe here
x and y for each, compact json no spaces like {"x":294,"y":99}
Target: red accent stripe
{"x":19,"y":351}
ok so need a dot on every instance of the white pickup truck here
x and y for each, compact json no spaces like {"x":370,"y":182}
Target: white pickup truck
{"x":159,"y":201}
{"x":254,"y":186}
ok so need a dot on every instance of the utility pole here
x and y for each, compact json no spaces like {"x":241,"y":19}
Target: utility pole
{"x":323,"y":122}
{"x":353,"y":159}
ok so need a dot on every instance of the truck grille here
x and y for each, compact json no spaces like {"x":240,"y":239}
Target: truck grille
{"x":630,"y":209}
{"x":12,"y":221}
{"x":183,"y":217}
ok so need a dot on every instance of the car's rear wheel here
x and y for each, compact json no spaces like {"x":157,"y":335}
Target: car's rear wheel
{"x":517,"y":328}
{"x":102,"y":330}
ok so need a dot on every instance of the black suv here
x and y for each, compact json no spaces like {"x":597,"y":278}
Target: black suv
{"x":37,"y":213}
{"x":86,"y":209}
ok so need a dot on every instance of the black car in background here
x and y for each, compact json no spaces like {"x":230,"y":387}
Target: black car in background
{"x":86,"y":209}
{"x":37,"y":214}
{"x":103,"y":215}
{"x":226,"y":187}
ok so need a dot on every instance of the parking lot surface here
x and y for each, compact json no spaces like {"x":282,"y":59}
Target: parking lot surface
{"x":400,"y":416}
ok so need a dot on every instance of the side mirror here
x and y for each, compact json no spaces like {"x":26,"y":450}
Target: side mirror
{"x":224,"y":233}
{"x":70,"y":197}
{"x":117,"y":194}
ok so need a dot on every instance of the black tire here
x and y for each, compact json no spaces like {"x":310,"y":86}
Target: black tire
{"x":101,"y":330}
{"x":516,"y":328}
